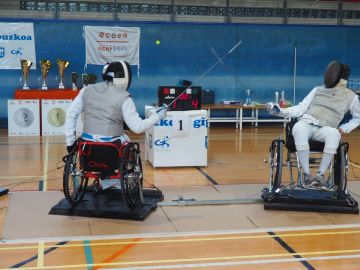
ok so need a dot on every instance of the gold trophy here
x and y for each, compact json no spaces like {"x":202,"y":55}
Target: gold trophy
{"x":25,"y":66}
{"x":45,"y":65}
{"x":62,"y":65}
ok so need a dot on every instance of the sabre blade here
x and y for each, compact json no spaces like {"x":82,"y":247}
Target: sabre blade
{"x":233,"y":48}
{"x":220,"y":60}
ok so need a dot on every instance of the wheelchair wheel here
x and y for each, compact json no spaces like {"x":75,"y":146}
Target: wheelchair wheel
{"x":131,"y":175}
{"x":74,"y":182}
{"x":275,"y":162}
{"x":341,"y":167}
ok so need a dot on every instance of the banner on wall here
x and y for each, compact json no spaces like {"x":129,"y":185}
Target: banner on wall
{"x":17,"y":41}
{"x":108,"y":44}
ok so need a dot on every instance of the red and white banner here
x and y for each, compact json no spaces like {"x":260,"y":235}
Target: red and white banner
{"x":108,"y":44}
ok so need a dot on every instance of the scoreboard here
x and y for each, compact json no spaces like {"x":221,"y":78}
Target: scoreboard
{"x":189,"y":97}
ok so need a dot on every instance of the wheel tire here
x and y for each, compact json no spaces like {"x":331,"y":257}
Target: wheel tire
{"x":341,"y":168}
{"x":131,"y":175}
{"x":74,"y":182}
{"x":275,"y":162}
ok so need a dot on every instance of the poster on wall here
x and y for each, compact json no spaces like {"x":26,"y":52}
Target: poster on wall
{"x":23,"y":117}
{"x":17,"y":41}
{"x":53,"y":116}
{"x":106,"y":43}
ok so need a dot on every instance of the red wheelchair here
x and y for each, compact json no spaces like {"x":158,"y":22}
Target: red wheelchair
{"x":103,"y":160}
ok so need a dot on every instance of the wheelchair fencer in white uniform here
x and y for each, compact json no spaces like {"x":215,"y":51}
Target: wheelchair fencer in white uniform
{"x":105,"y":107}
{"x":315,"y":127}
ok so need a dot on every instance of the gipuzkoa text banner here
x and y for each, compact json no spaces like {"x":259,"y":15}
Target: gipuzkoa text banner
{"x":17,"y":41}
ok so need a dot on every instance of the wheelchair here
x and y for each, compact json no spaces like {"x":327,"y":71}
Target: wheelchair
{"x":294,"y":194}
{"x":103,"y":160}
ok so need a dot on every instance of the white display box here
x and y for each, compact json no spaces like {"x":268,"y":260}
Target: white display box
{"x":178,"y":140}
{"x":53,"y":116}
{"x":23,"y":117}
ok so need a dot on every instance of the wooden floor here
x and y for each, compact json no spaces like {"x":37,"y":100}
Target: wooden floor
{"x":236,"y":163}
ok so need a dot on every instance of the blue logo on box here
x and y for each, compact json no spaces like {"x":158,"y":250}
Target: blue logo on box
{"x":2,"y":52}
{"x":163,"y":142}
{"x":164,"y":123}
{"x":202,"y":122}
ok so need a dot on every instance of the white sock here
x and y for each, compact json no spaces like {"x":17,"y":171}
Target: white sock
{"x":325,"y":162}
{"x":304,"y":160}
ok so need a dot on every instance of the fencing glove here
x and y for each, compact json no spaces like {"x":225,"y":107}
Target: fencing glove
{"x":161,"y":111}
{"x":273,"y":108}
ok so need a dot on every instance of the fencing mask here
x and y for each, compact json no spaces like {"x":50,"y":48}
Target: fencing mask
{"x":119,"y":73}
{"x":335,"y":71}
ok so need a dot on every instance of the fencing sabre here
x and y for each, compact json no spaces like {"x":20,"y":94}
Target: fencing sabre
{"x":220,"y":60}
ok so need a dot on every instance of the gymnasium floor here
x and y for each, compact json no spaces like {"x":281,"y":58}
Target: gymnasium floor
{"x":231,"y":236}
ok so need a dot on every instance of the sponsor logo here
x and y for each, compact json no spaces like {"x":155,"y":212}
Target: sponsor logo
{"x":15,"y":37}
{"x":99,"y":165}
{"x":165,"y":123}
{"x":113,"y":35}
{"x":2,"y":52}
{"x":17,"y":51}
{"x":163,"y":142}
{"x":202,"y":122}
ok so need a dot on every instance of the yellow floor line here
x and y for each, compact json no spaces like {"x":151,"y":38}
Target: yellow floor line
{"x":206,"y":259}
{"x":46,"y":162}
{"x":354,"y":164}
{"x":19,"y":176}
{"x":93,"y":244}
{"x":40,"y":259}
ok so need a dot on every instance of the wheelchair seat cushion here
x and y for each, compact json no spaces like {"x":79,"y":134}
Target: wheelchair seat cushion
{"x":99,"y":157}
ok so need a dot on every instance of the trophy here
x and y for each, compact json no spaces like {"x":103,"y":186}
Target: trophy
{"x":62,"y":65}
{"x":45,"y":65}
{"x":25,"y":66}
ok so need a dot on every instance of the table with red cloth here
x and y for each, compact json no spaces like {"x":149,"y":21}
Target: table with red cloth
{"x":46,"y":94}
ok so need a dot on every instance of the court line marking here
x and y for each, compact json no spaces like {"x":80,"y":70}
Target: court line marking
{"x":202,"y":259}
{"x":40,"y":256}
{"x":208,"y":177}
{"x":249,"y":262}
{"x":88,"y":253}
{"x":178,"y":234}
{"x":46,"y":163}
{"x":264,"y":236}
{"x":22,"y":263}
{"x":354,"y":164}
{"x":289,"y":249}
{"x":117,"y":253}
{"x":20,"y":176}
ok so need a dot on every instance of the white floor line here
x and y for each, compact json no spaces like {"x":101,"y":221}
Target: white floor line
{"x":46,"y":162}
{"x":247,"y":262}
{"x":178,"y":234}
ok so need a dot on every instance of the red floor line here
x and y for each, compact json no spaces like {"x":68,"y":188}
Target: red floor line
{"x":118,"y":253}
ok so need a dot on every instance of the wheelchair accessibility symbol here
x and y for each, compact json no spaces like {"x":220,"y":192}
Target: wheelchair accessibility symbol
{"x":2,"y":52}
{"x":17,"y":51}
{"x":163,"y":143}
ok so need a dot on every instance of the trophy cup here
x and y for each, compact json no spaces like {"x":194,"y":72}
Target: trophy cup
{"x":62,"y":65}
{"x":25,"y":66}
{"x":45,"y":65}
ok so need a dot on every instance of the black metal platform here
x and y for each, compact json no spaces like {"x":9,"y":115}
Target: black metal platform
{"x":3,"y":191}
{"x":310,"y":200}
{"x":109,"y":204}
